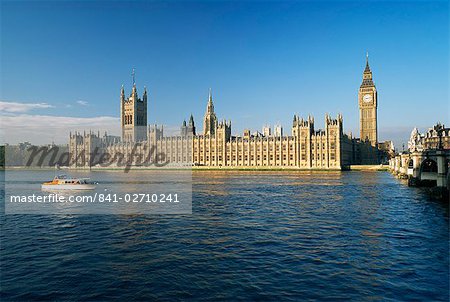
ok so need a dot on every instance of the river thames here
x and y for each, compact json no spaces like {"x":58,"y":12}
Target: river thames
{"x":251,"y":236}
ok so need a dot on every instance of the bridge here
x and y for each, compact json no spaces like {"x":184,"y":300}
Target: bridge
{"x":427,"y":167}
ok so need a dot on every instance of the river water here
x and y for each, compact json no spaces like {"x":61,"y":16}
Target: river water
{"x":251,"y":236}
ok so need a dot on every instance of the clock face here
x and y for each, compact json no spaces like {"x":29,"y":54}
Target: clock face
{"x":367,"y":98}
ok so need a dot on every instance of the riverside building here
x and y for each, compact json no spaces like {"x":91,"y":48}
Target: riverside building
{"x":305,"y":148}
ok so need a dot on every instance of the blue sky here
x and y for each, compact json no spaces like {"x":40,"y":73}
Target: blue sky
{"x":264,"y":61}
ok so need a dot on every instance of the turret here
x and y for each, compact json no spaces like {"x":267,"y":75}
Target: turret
{"x":367,"y":74}
{"x":184,"y":128}
{"x":210,"y":119}
{"x":210,"y":106}
{"x":301,"y":124}
{"x":144,"y":96}
{"x":191,"y":126}
{"x":223,"y":131}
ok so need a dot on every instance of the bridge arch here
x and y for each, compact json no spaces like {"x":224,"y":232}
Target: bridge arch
{"x":429,"y":165}
{"x":428,"y":170}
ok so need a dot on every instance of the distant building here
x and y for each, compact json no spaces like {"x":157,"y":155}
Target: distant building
{"x":386,"y":151}
{"x":430,"y":140}
{"x":24,"y":145}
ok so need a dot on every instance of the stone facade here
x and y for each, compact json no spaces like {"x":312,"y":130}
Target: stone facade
{"x":83,"y":145}
{"x":305,"y":148}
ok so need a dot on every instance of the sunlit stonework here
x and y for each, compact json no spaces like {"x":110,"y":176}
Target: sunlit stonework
{"x":305,"y":148}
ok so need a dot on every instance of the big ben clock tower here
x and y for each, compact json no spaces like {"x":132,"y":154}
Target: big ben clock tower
{"x":368,"y":103}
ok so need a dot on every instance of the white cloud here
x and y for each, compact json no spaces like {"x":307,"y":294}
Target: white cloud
{"x":82,"y":103}
{"x":15,"y":107}
{"x":44,"y":129}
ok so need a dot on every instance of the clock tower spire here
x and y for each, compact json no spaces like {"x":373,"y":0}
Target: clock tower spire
{"x":368,"y":103}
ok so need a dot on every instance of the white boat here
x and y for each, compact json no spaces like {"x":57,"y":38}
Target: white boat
{"x":62,"y":182}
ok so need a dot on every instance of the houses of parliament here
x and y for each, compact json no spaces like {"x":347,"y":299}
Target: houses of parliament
{"x":305,"y":148}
